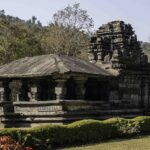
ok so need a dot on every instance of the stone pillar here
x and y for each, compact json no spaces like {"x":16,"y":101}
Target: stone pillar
{"x":146,"y":94}
{"x":60,"y":89}
{"x":33,"y":94}
{"x":91,"y":57}
{"x":2,"y":94}
{"x":1,"y":91}
{"x":15,"y":87}
{"x":99,"y":56}
{"x":80,"y":87}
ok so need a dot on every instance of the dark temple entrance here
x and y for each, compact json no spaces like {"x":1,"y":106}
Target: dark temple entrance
{"x":97,"y":90}
{"x":46,"y":90}
{"x":71,"y":89}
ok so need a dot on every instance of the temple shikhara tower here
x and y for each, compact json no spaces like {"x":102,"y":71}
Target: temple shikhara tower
{"x":58,"y":89}
{"x":116,"y":46}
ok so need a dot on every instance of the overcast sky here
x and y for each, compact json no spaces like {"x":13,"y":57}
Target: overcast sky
{"x":136,"y":12}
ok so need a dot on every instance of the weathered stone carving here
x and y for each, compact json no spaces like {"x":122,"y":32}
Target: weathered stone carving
{"x":32,"y":94}
{"x":1,"y":94}
{"x":15,"y":87}
{"x":80,"y":87}
{"x":1,"y":91}
{"x":60,"y":89}
{"x":116,"y":43}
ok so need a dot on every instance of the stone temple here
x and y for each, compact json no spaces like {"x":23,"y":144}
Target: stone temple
{"x":60,"y":89}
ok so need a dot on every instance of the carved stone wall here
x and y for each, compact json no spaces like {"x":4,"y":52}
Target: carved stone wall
{"x":130,"y":91}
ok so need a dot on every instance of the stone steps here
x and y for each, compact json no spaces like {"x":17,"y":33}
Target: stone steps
{"x":17,"y":120}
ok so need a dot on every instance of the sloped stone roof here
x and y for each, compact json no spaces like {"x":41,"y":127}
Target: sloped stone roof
{"x":45,"y":65}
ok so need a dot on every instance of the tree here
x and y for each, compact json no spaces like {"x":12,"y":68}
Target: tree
{"x":68,"y":34}
{"x":61,"y":40}
{"x":74,"y":17}
{"x":18,"y":39}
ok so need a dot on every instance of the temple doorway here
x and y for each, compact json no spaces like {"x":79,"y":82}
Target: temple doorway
{"x":46,"y":90}
{"x":71,"y":89}
{"x":96,"y":90}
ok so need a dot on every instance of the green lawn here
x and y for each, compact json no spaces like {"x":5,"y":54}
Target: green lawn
{"x":142,"y":143}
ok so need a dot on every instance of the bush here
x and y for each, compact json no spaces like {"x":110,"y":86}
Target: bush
{"x":7,"y":143}
{"x":80,"y":132}
{"x":143,"y":123}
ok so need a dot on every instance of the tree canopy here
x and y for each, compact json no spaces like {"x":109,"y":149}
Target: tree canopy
{"x":74,"y":17}
{"x":69,"y":31}
{"x":61,"y":40}
{"x":20,"y":38}
{"x":67,"y":34}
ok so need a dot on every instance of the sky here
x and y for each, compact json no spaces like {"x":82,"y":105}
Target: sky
{"x":135,"y":12}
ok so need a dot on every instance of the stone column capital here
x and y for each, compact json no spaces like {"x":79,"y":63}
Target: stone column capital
{"x":33,"y":90}
{"x":60,"y":89}
{"x":80,"y":86}
{"x":2,"y":93}
{"x":15,"y":86}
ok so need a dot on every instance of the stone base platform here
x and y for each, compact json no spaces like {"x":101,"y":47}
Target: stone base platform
{"x":28,"y":114}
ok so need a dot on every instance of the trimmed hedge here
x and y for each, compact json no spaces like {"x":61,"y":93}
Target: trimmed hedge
{"x":80,"y":132}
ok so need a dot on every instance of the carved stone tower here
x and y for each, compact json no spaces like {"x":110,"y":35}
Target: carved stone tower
{"x":116,"y":45}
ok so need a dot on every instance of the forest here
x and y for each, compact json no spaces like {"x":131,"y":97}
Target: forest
{"x":67,"y":33}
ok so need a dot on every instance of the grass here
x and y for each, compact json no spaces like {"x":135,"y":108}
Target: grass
{"x":141,"y":143}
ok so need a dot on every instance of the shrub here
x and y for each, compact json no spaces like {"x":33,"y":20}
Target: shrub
{"x":80,"y":132}
{"x":143,"y":123}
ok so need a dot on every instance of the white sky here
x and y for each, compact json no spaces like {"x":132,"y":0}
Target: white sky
{"x":136,"y":12}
